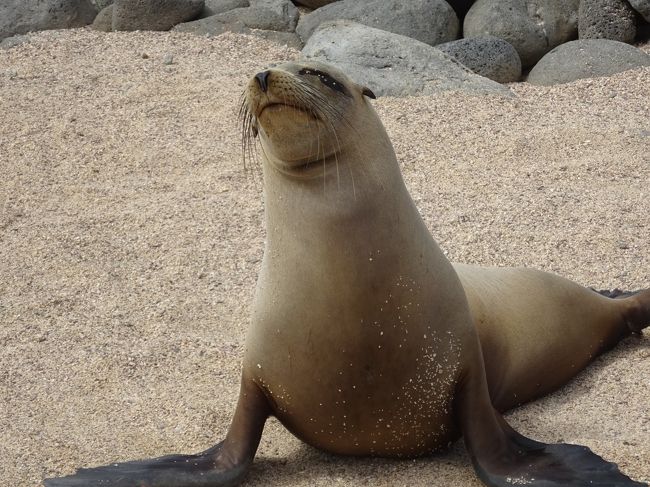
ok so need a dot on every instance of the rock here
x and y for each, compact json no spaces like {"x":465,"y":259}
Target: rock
{"x":216,"y":7}
{"x":23,"y":16}
{"x":606,"y":19}
{"x":429,"y":21}
{"x":642,"y":7}
{"x":391,"y":64}
{"x":280,"y":15}
{"x":487,"y":56}
{"x":104,"y":20}
{"x":13,"y":41}
{"x":212,"y":26}
{"x":533,"y":27}
{"x":101,"y":4}
{"x":290,"y":39}
{"x":153,"y":14}
{"x":589,"y":58}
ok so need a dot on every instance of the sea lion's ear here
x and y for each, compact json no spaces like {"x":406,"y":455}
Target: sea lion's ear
{"x":368,"y":92}
{"x":254,"y":129}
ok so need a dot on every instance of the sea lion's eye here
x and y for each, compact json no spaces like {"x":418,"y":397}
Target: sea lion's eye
{"x":326,"y":79}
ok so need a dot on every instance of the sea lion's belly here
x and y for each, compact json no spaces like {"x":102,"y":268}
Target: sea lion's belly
{"x":358,"y":339}
{"x":381,"y":386}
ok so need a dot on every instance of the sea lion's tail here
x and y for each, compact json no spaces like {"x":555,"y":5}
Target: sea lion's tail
{"x":637,"y":316}
{"x":617,"y":293}
{"x":636,"y":311}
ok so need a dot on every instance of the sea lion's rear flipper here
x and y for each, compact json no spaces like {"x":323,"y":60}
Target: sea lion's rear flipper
{"x":528,"y":462}
{"x":224,"y":465}
{"x":504,"y":458}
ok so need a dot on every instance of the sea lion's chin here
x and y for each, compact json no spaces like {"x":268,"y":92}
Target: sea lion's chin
{"x":299,"y":148}
{"x":303,"y":162}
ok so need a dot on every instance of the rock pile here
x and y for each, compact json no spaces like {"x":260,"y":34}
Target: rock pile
{"x":23,"y":16}
{"x":429,"y":21}
{"x":397,"y":47}
{"x":392,"y":64}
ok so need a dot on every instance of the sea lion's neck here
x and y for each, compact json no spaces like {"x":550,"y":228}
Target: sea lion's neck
{"x":344,"y":193}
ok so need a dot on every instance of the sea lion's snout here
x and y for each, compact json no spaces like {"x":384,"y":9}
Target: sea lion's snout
{"x":262,"y":80}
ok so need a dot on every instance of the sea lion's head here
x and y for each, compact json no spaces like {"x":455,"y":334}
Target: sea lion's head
{"x":305,"y":113}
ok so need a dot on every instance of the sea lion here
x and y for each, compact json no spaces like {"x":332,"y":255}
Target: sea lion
{"x":365,"y":339}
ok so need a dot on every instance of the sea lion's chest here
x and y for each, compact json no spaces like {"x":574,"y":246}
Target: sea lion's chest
{"x":363,"y":361}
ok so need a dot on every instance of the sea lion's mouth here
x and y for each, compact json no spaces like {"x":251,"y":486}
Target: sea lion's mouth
{"x":283,"y":106}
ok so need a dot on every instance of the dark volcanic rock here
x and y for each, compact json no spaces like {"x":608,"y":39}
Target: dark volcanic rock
{"x":488,"y":56}
{"x":606,"y":19}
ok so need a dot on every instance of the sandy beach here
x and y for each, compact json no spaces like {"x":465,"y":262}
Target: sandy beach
{"x":131,"y":237}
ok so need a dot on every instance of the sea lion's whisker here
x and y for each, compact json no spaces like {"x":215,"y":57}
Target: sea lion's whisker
{"x":247,"y":130}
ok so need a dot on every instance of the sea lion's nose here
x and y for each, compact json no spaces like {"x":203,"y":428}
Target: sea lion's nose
{"x":262,"y":79}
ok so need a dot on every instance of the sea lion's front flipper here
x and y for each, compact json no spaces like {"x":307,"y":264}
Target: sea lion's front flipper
{"x":503,"y":458}
{"x":224,"y":465}
{"x":173,"y":470}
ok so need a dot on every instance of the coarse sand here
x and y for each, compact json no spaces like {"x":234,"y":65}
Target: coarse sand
{"x":131,"y":237}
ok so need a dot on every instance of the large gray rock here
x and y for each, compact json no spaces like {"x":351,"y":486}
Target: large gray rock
{"x":429,"y":21}
{"x":606,"y":19}
{"x":643,"y":7}
{"x":533,"y":27}
{"x":213,"y":26}
{"x":285,"y":7}
{"x":154,"y":14}
{"x":210,"y":27}
{"x":13,"y":41}
{"x":589,"y":58}
{"x":215,"y":7}
{"x":104,"y":20}
{"x":23,"y":16}
{"x":290,"y":39}
{"x":391,"y":64}
{"x":487,"y":56}
{"x":280,"y":15}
